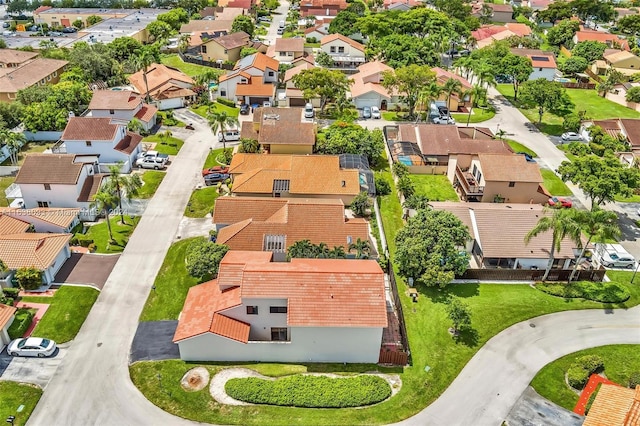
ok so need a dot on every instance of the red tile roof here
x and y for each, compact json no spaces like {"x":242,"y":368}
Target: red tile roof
{"x":6,"y":315}
{"x":128,"y":143}
{"x":146,"y":113}
{"x":90,"y":129}
{"x":487,"y":31}
{"x":601,"y":37}
{"x":320,"y":293}
{"x":615,"y":406}
{"x":61,"y":169}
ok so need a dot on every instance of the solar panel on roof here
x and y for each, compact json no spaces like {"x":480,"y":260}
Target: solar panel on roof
{"x":540,"y":58}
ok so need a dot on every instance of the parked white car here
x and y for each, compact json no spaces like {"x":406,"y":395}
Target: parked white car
{"x":229,"y":136}
{"x":375,"y":112}
{"x":618,"y":260}
{"x":155,"y":163}
{"x":32,"y":346}
{"x":571,"y":136}
{"x":444,"y":120}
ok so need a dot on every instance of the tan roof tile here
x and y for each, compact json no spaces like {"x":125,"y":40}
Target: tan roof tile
{"x":11,"y":225}
{"x":29,"y":73}
{"x":31,"y":249}
{"x":90,"y":129}
{"x":235,"y":209}
{"x":114,"y":99}
{"x":280,"y":126}
{"x":11,"y":56}
{"x":615,"y":406}
{"x":203,"y":25}
{"x":509,"y":168}
{"x":61,"y":217}
{"x":146,"y":113}
{"x":233,"y":40}
{"x":442,"y":140}
{"x":289,"y":44}
{"x":61,"y":169}
{"x":333,"y":37}
{"x":90,"y":187}
{"x":159,"y":78}
{"x":6,"y":314}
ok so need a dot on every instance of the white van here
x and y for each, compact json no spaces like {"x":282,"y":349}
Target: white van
{"x":231,"y":135}
{"x":308,"y":111}
{"x":281,"y":24}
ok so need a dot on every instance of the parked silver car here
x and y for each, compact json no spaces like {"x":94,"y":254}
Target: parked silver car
{"x":570,"y":136}
{"x":32,"y":346}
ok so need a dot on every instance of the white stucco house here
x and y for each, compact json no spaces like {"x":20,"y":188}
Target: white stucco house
{"x":54,"y":220}
{"x":252,"y":81}
{"x":306,"y":310}
{"x":367,"y":89}
{"x":122,"y":105}
{"x":543,"y":63}
{"x":58,"y":180}
{"x":346,"y":53}
{"x":106,"y":138}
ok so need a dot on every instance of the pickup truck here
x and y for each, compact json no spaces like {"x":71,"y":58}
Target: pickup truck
{"x":152,"y":155}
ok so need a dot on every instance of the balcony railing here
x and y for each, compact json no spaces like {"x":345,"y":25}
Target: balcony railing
{"x":468,"y":183}
{"x":59,"y":148}
{"x":13,"y":191}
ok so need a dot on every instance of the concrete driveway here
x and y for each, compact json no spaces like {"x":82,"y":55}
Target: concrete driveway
{"x":533,"y":410}
{"x":154,"y":341}
{"x":37,"y":371}
{"x":88,"y":269}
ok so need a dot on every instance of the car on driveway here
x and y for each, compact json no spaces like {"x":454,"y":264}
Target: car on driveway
{"x":212,"y":178}
{"x":618,"y":260}
{"x":31,"y":346}
{"x":444,"y":120}
{"x":264,"y":19}
{"x":366,"y":112}
{"x":560,"y":202}
{"x":527,"y":157}
{"x":375,"y":112}
{"x":570,"y":136}
{"x":155,"y":163}
{"x":215,"y":169}
{"x":244,"y":109}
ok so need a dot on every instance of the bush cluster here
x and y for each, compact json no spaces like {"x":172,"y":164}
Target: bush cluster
{"x":11,"y":292}
{"x":226,"y":102}
{"x":598,"y":292}
{"x":311,"y":391}
{"x":634,"y":379}
{"x":583,"y":367}
{"x":21,"y":323}
{"x":81,"y":240}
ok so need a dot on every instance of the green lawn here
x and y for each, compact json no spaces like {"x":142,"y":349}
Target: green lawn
{"x":201,"y":202}
{"x":554,"y":184}
{"x":594,"y":106}
{"x":436,"y":187}
{"x":633,"y":199}
{"x":188,"y":68}
{"x":68,"y":309}
{"x":5,"y":182}
{"x":171,"y":286}
{"x":169,"y":146}
{"x":152,"y":180}
{"x":563,"y":148}
{"x":13,"y":395}
{"x":100,"y":234}
{"x":518,"y":147}
{"x":29,"y":148}
{"x":210,"y":161}
{"x":203,"y":110}
{"x":478,"y":115}
{"x":619,"y":362}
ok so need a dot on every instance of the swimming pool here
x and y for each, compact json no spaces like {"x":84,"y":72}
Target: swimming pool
{"x":562,"y":80}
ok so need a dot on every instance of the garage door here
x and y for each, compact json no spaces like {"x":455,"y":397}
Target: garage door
{"x":363,"y":102}
{"x":257,"y":100}
{"x":170,"y":104}
{"x":296,"y":102}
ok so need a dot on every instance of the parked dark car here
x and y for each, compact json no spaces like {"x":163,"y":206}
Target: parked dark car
{"x":503,"y":78}
{"x":70,"y":30}
{"x":444,"y":111}
{"x":527,"y":157}
{"x":244,"y":109}
{"x":212,"y":178}
{"x":215,"y":169}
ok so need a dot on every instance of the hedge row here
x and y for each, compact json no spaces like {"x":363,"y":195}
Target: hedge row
{"x":11,"y":292}
{"x":598,"y":292}
{"x":311,"y":391}
{"x":21,"y":323}
{"x":81,"y":240}
{"x":227,"y":102}
{"x":582,"y":368}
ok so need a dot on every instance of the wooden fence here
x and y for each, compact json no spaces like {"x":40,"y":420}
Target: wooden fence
{"x":398,"y":305}
{"x":194,"y":60}
{"x":531,"y":275}
{"x":571,"y":85}
{"x":393,"y":357}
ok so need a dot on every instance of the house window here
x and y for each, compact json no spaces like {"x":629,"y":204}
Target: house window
{"x":475,"y":169}
{"x":111,"y":112}
{"x":277,"y":309}
{"x":279,"y":334}
{"x":43,"y":204}
{"x":243,"y":80}
{"x":512,"y":184}
{"x":49,"y":77}
{"x":87,"y":143}
{"x":55,"y":74}
{"x":252,"y":310}
{"x":270,"y":73}
{"x":47,"y":187}
{"x":275,"y":243}
{"x":479,"y":177}
{"x":225,"y":51}
{"x":540,"y":69}
{"x":341,"y":49}
{"x":204,"y":49}
{"x":332,"y":49}
{"x":223,"y":93}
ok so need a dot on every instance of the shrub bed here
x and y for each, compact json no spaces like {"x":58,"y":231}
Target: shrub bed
{"x":583,"y":367}
{"x":598,"y":292}
{"x":311,"y":391}
{"x":21,"y":323}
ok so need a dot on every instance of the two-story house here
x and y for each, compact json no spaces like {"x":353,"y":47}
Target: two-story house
{"x":346,"y":53}
{"x":252,"y":81}
{"x":23,"y":70}
{"x":168,"y":87}
{"x":58,"y":180}
{"x":106,"y":138}
{"x":122,"y":105}
{"x":281,"y":131}
{"x":367,"y":89}
{"x":320,"y":8}
{"x":501,"y":178}
{"x":294,"y":96}
{"x":286,"y":50}
{"x":294,"y":176}
{"x":275,"y":224}
{"x":224,"y":48}
{"x":306,"y":310}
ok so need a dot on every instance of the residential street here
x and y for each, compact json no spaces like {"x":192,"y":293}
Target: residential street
{"x":280,"y":14}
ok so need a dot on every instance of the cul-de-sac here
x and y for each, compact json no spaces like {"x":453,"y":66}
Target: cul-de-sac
{"x":320,"y":212}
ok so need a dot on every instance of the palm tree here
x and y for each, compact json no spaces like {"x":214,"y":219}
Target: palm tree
{"x":135,"y":125}
{"x":337,"y":252}
{"x":451,"y":86}
{"x":598,"y":224}
{"x":605,"y":87}
{"x":142,"y":60}
{"x":219,"y":120}
{"x":249,"y":145}
{"x":475,"y":93}
{"x":563,"y":224}
{"x":465,"y":64}
{"x":119,"y":183}
{"x":485,"y":75}
{"x":206,"y":77}
{"x":164,"y":136}
{"x":103,"y":201}
{"x":13,"y":141}
{"x":430,"y":94}
{"x":361,"y":247}
{"x":183,"y":43}
{"x":301,"y":249}
{"x":322,"y":251}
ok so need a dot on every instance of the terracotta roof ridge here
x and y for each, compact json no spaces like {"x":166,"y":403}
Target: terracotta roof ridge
{"x":280,"y":216}
{"x":233,"y":229}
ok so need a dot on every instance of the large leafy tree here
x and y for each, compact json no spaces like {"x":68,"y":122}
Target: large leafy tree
{"x":159,"y":30}
{"x":123,"y":48}
{"x":633,"y":94}
{"x":556,"y":11}
{"x":601,"y":178}
{"x":96,"y":61}
{"x":220,"y":121}
{"x":174,"y":18}
{"x":546,"y":96}
{"x":563,"y":32}
{"x":599,"y":225}
{"x":562,"y":223}
{"x":400,"y":50}
{"x":518,"y":68}
{"x":630,"y":24}
{"x":203,"y":258}
{"x":574,"y":65}
{"x":344,"y":23}
{"x":589,"y":50}
{"x":346,"y":138}
{"x":325,"y":84}
{"x":431,"y":247}
{"x":243,"y":23}
{"x":10,"y":114}
{"x":602,"y":11}
{"x":459,"y":314}
{"x":409,"y":82}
